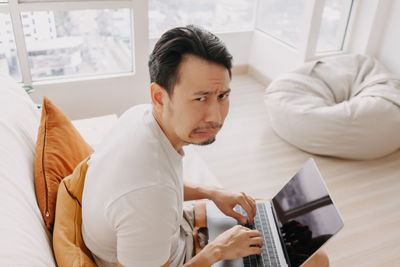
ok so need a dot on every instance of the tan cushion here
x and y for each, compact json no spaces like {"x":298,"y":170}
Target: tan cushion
{"x":59,"y":148}
{"x":68,"y":245}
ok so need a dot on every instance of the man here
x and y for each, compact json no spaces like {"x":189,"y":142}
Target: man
{"x":132,"y":205}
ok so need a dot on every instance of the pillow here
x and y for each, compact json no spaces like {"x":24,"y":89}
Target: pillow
{"x":59,"y":148}
{"x":25,"y":240}
{"x":69,"y":248}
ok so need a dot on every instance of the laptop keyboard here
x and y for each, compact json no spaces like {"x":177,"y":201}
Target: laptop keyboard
{"x":269,"y":256}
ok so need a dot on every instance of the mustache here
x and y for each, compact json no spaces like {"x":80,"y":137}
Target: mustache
{"x":212,"y":126}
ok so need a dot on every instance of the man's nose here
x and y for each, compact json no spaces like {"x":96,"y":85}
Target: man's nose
{"x":214,"y":113}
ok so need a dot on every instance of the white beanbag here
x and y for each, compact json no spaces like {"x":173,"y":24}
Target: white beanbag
{"x":346,"y":106}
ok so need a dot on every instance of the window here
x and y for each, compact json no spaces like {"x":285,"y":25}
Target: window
{"x":282,"y":19}
{"x":72,"y":39}
{"x":335,"y":18}
{"x":69,"y":38}
{"x":79,"y":42}
{"x":214,"y":15}
{"x":8,"y":57}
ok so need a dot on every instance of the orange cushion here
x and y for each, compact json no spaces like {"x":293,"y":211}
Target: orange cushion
{"x":59,"y":148}
{"x":69,"y":248}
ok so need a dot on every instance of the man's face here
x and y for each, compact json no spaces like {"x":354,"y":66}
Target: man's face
{"x":199,"y":104}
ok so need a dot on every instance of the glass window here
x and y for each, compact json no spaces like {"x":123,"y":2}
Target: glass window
{"x":214,"y":15}
{"x":78,"y":42}
{"x":282,"y":19}
{"x":335,"y":18}
{"x":9,"y":64}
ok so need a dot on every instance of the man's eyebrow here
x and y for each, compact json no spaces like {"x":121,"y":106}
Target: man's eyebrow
{"x":210,"y":92}
{"x":226,"y":91}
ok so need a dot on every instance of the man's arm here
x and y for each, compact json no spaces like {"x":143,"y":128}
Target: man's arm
{"x":195,"y":192}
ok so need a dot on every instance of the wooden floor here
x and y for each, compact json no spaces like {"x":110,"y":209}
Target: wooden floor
{"x":248,"y":156}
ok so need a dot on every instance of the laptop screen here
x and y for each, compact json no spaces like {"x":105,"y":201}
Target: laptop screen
{"x":305,"y":214}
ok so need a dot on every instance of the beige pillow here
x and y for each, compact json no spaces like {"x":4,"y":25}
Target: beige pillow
{"x":69,"y":248}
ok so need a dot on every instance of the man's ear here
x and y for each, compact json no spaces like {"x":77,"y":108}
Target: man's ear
{"x":157,"y":95}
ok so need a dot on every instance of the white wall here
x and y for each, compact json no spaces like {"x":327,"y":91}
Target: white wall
{"x":388,"y":51}
{"x":270,"y":57}
{"x":368,"y":31}
{"x":95,"y":96}
{"x":360,"y":31}
{"x":238,"y":44}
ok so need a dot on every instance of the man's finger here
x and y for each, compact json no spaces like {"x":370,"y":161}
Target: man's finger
{"x":254,"y":250}
{"x":252,"y":203}
{"x":257,"y":241}
{"x":239,"y":217}
{"x":254,"y":233}
{"x":247,"y":207}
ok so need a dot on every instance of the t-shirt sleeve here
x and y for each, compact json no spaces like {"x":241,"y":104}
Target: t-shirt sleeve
{"x":144,"y":221}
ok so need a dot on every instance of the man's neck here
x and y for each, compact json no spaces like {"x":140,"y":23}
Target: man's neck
{"x":173,"y":139}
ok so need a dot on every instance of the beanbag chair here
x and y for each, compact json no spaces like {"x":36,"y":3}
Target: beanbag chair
{"x":346,"y":106}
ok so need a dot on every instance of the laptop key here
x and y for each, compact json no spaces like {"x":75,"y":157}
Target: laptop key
{"x":253,"y":260}
{"x":246,"y":262}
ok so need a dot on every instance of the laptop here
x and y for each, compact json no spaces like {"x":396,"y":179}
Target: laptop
{"x":294,"y":225}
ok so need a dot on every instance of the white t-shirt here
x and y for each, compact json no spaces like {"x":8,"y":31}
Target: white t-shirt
{"x":133,"y":195}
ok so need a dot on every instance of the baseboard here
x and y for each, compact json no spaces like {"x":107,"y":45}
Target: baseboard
{"x":247,"y":69}
{"x":240,"y":69}
{"x":260,"y":77}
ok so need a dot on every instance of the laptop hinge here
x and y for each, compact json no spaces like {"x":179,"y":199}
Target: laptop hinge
{"x":280,"y":234}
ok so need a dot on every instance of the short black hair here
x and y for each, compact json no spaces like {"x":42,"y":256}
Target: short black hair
{"x":169,"y":50}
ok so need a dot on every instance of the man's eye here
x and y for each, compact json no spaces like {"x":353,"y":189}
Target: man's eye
{"x":201,"y":99}
{"x":223,"y":96}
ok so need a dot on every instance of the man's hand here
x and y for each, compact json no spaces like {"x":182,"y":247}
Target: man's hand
{"x":238,"y":242}
{"x":234,"y":243}
{"x":226,"y":201}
